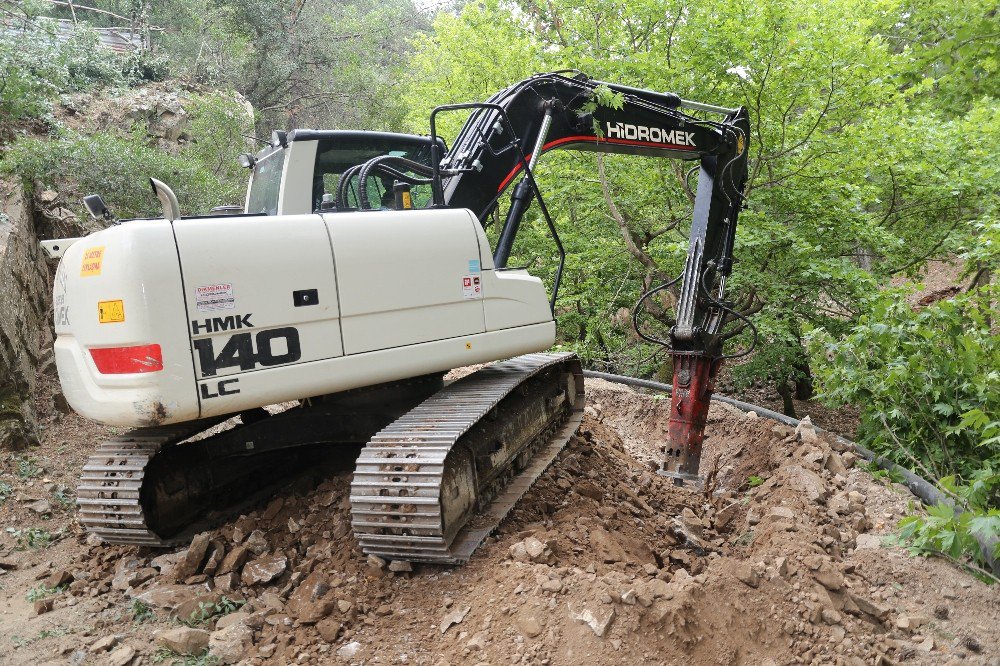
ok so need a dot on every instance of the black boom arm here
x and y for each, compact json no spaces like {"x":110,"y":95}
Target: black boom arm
{"x":505,"y":136}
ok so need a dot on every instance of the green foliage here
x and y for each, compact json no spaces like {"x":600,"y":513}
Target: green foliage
{"x":31,"y":537}
{"x":63,"y":499}
{"x":891,"y":475}
{"x":167,"y":656}
{"x":207,"y":611}
{"x":119,"y":167}
{"x":43,"y":592}
{"x":141,"y":612}
{"x":35,"y":66}
{"x":753,"y":480}
{"x":854,"y":176}
{"x":301,"y":64}
{"x":954,"y":49}
{"x":958,"y":532}
{"x":27,"y":468}
{"x":6,"y":490}
{"x":927,"y":381}
{"x":20,"y":641}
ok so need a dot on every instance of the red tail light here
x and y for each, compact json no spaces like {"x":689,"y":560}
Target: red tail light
{"x":126,"y":360}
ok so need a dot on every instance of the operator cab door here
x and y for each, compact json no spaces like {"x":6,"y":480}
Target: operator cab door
{"x":406,"y":277}
{"x":261,"y":294}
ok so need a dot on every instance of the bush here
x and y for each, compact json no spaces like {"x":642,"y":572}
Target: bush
{"x":36,"y":66}
{"x":927,"y":381}
{"x":118,"y":166}
{"x":928,"y":384}
{"x":968,"y":527}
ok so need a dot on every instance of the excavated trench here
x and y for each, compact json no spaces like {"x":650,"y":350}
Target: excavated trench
{"x":780,"y":559}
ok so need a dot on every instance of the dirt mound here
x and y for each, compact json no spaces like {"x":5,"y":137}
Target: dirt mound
{"x":778,"y":560}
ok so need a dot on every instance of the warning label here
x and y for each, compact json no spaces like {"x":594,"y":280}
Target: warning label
{"x":215,"y":297}
{"x":471,"y":287}
{"x":111,"y":312}
{"x":93,"y":257}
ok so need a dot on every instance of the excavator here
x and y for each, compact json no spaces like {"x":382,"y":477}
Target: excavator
{"x":359,"y":273}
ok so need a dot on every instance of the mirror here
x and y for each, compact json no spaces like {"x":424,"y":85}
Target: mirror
{"x":96,"y":207}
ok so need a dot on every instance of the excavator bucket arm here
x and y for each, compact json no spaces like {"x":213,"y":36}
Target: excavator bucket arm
{"x":504,"y":137}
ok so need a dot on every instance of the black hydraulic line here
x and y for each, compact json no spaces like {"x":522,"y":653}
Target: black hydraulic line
{"x":521,"y":199}
{"x":637,"y":311}
{"x":922,"y":488}
{"x":343,"y":184}
{"x":529,"y":176}
{"x":384,"y":160}
{"x":519,"y":202}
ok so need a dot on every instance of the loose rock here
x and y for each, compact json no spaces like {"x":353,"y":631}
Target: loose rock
{"x":103,"y":644}
{"x":453,"y":618}
{"x":264,"y":569}
{"x":121,"y":657}
{"x":229,"y":644}
{"x":183,"y":640}
{"x":598,"y":619}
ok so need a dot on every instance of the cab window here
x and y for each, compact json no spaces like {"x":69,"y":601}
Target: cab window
{"x":266,"y":183}
{"x":336,"y":155}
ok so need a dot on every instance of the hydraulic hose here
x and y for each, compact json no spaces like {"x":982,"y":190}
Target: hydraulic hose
{"x":923,"y":489}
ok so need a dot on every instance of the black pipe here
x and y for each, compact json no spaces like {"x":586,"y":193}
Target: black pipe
{"x":925,"y":490}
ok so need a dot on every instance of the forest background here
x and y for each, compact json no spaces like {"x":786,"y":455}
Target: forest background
{"x":875,"y":149}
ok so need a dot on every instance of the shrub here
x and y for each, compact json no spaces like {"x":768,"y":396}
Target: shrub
{"x":118,"y":168}
{"x":965,"y":528}
{"x":36,"y":66}
{"x":927,"y":381}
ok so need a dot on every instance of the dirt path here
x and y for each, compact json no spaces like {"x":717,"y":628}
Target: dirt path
{"x":603,"y":562}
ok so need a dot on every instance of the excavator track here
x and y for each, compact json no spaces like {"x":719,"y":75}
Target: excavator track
{"x":108,"y":495}
{"x":435,"y":483}
{"x":154,"y":487}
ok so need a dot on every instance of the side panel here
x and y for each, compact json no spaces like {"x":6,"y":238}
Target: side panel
{"x":348,"y":372}
{"x":406,"y":277}
{"x":512,"y":297}
{"x":260,"y":292}
{"x":131,"y":271}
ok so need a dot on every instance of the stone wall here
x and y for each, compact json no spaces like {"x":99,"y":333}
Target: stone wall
{"x":25,"y":335}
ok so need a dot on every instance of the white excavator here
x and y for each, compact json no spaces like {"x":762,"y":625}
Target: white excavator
{"x":358,"y":274}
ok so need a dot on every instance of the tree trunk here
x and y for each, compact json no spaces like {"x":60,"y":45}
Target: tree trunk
{"x":787,"y":407}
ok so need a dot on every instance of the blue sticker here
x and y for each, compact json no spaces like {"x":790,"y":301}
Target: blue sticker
{"x":473,"y":265}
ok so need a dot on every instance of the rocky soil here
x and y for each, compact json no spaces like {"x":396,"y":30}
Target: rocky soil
{"x":781,"y":559}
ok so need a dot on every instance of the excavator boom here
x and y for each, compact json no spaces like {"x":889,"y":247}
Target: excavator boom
{"x":552,"y":111}
{"x":504,"y":137}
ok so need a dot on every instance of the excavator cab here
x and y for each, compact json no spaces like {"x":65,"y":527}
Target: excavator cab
{"x":317,"y":159}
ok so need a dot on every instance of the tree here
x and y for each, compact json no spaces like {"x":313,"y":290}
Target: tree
{"x":842,"y":193}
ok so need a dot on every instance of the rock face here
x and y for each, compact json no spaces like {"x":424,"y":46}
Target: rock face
{"x":25,"y":340}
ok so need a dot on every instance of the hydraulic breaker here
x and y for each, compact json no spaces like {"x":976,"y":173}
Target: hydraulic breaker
{"x":694,"y":381}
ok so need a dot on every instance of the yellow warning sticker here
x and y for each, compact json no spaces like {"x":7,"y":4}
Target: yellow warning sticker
{"x":93,"y":257}
{"x":111,"y":312}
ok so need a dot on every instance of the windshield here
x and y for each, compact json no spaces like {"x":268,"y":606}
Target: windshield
{"x":263,"y":199}
{"x":334,"y":156}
